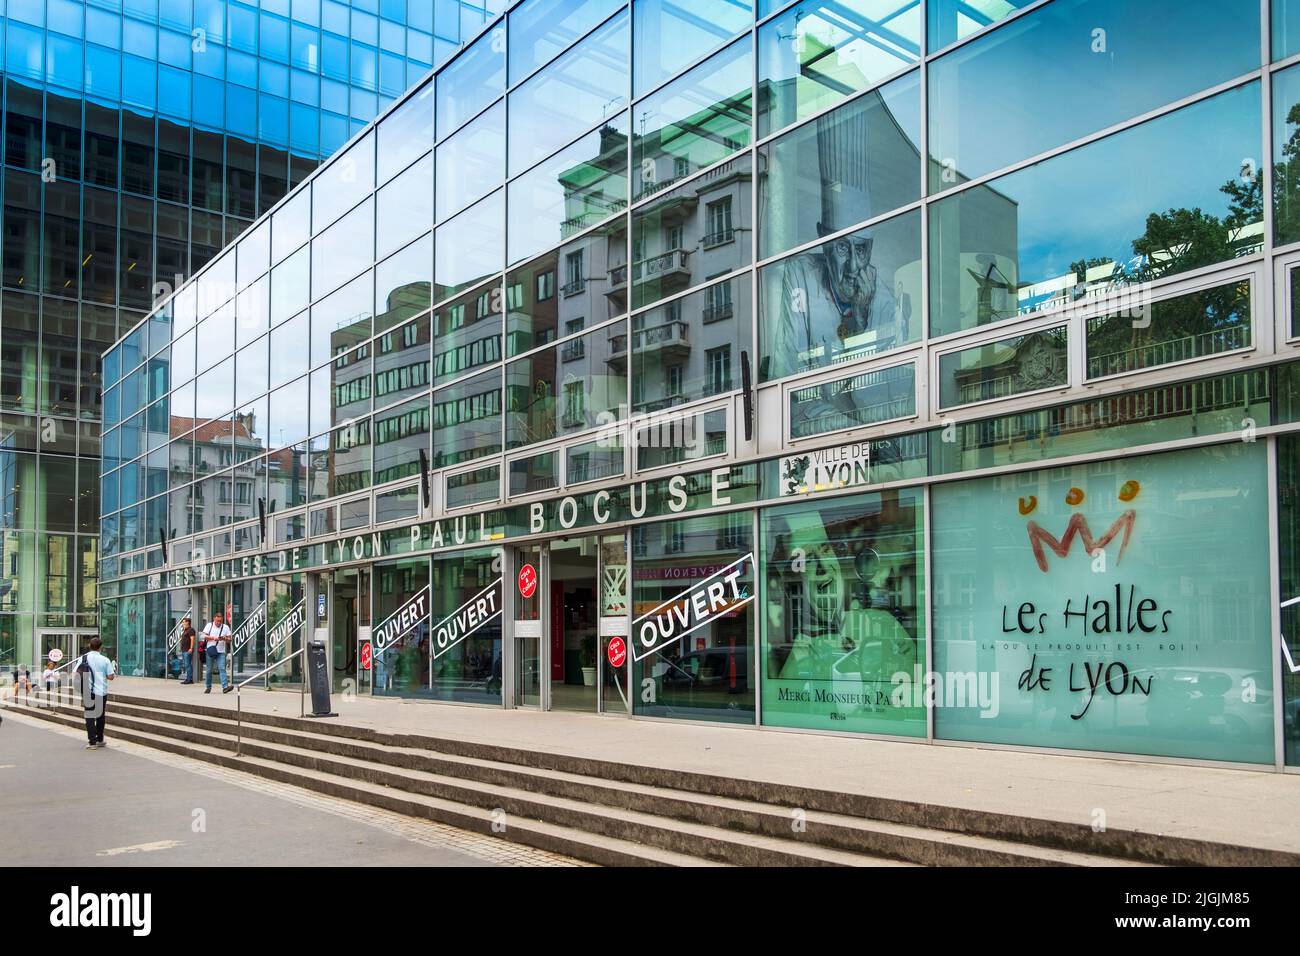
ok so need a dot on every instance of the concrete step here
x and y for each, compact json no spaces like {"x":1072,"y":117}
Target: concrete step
{"x":590,"y":847}
{"x":376,"y":784}
{"x":837,"y":831}
{"x":1019,"y":830}
{"x":653,"y":815}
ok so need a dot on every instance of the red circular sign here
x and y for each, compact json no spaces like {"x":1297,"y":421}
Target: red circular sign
{"x":365,"y":655}
{"x":528,"y":580}
{"x":617,"y":651}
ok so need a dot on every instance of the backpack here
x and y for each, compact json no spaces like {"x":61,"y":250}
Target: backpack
{"x":86,"y":681}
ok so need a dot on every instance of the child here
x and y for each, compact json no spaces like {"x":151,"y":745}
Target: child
{"x":50,"y":679}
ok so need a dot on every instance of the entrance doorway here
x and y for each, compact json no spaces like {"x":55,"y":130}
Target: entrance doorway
{"x":570,"y":602}
{"x":574,"y":624}
{"x":72,"y":642}
{"x":349,"y":622}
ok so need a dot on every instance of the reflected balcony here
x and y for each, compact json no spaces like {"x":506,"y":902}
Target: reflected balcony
{"x":573,"y":351}
{"x":667,"y":265}
{"x":669,"y":341}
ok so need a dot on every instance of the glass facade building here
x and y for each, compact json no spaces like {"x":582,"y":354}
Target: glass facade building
{"x":925,"y":370}
{"x":139,"y":138}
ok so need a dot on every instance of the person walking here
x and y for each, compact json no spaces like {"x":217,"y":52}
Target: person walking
{"x":187,"y":649}
{"x":216,"y":643}
{"x":94,"y":672}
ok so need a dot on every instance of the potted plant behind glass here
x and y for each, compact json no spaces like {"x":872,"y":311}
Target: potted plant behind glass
{"x":588,"y":655}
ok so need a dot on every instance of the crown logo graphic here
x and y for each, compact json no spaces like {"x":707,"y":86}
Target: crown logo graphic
{"x":1041,"y":540}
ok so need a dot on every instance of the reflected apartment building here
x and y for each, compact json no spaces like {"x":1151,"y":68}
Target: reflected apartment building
{"x":796,"y":366}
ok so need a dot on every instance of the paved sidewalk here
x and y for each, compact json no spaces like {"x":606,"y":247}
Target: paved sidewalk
{"x":1244,"y":807}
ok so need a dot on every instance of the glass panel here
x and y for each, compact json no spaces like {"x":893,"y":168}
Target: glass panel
{"x":402,"y":362}
{"x":1016,"y":244}
{"x":400,"y":434}
{"x":1153,"y":660}
{"x":852,"y":164}
{"x":845,"y":300}
{"x":681,"y":438}
{"x":818,"y":53}
{"x":471,"y":81}
{"x":343,"y":250}
{"x":535,"y":473}
{"x":402,"y":667}
{"x":576,"y":188}
{"x":1025,"y":363}
{"x":253,"y":310}
{"x":252,"y":365}
{"x":288,"y":418}
{"x":1288,"y":517}
{"x":568,"y":388}
{"x":543,"y":29}
{"x":349,"y":462}
{"x":1207,"y":322}
{"x":702,"y":669}
{"x":690,"y":348}
{"x":1286,"y":155}
{"x":467,"y":333}
{"x":467,"y":420}
{"x":580,"y":89}
{"x":467,"y":593}
{"x":403,"y":284}
{"x":1198,"y":44}
{"x":343,"y":182}
{"x":470,"y":247}
{"x":290,"y":289}
{"x":580,"y":284}
{"x":342,"y":319}
{"x":291,"y":225}
{"x":694,"y":121}
{"x":593,"y":460}
{"x":472,"y":163}
{"x":951,"y":20}
{"x":406,"y":133}
{"x":670,"y":35}
{"x":865,"y":398}
{"x":473,"y":487}
{"x":692,"y":233}
{"x":405,"y":207}
{"x":844,"y":621}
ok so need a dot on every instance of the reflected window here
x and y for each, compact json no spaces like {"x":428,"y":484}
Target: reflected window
{"x":1012,"y":366}
{"x":583,"y":281}
{"x":402,"y":361}
{"x":689,"y":348}
{"x":1136,"y":334}
{"x":467,"y":420}
{"x":671,"y":440}
{"x":473,"y":487}
{"x":866,"y":398}
{"x":568,"y":388}
{"x":534,"y":473}
{"x":689,"y":234}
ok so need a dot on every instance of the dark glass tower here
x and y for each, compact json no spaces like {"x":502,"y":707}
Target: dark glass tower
{"x":139,"y":137}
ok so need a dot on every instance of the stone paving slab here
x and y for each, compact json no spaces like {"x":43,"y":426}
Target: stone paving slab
{"x":1241,"y":807}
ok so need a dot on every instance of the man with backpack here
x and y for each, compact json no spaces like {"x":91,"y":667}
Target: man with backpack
{"x":216,"y":644}
{"x":93,"y":674}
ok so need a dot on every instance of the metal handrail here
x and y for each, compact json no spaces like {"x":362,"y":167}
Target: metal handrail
{"x":239,"y":710}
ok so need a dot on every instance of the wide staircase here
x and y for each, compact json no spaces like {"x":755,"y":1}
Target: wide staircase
{"x":623,"y":814}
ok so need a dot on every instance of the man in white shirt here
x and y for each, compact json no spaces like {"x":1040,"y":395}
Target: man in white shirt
{"x":94,"y":673}
{"x":216,"y":644}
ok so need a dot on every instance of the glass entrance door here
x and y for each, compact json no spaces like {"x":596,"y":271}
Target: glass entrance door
{"x":530,"y":613}
{"x":69,"y":642}
{"x":350,"y":613}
